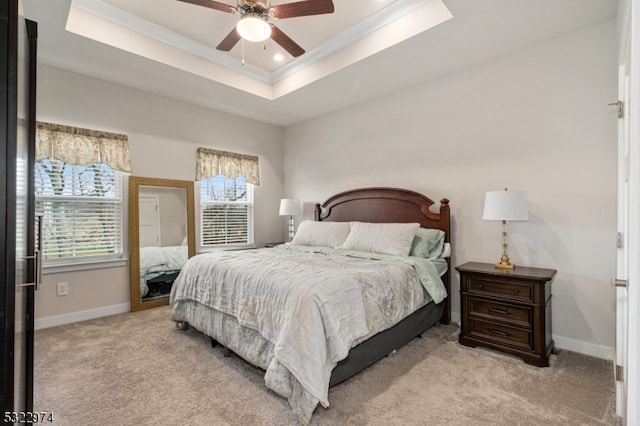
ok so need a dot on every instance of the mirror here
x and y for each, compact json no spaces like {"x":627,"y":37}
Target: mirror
{"x":161,"y":237}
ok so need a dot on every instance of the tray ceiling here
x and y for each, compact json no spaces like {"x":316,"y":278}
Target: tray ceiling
{"x":365,"y":49}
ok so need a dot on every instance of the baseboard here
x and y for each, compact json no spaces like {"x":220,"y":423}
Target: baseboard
{"x":597,"y":351}
{"x":104,"y":311}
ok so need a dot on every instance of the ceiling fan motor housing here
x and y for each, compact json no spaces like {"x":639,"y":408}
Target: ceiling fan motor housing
{"x":253,"y":8}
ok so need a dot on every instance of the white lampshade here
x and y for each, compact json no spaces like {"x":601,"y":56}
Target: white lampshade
{"x":253,"y":28}
{"x":290,"y":207}
{"x":505,"y":205}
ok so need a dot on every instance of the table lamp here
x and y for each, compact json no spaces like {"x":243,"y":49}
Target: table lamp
{"x":505,"y":206}
{"x":291,"y":208}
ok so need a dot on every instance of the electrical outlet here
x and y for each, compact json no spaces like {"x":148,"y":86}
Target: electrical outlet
{"x":63,"y":289}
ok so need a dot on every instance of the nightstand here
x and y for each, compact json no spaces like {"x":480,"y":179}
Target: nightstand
{"x":507,"y":310}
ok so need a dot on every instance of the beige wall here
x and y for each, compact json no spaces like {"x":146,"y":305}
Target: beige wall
{"x":537,"y":121}
{"x":164,"y":135}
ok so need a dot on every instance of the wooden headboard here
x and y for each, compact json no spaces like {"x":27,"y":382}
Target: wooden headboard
{"x":390,"y":205}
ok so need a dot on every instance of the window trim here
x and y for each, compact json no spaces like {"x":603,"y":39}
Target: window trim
{"x":250,"y":203}
{"x":80,"y":263}
{"x":62,"y":267}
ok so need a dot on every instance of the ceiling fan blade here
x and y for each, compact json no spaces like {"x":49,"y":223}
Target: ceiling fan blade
{"x":229,"y":41}
{"x":302,"y":8}
{"x":283,"y":40}
{"x":211,"y":5}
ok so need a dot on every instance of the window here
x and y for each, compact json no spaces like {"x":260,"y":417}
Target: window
{"x":81,"y":207}
{"x":226,"y":212}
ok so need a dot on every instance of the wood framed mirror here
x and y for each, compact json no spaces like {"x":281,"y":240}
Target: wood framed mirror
{"x":161,"y":237}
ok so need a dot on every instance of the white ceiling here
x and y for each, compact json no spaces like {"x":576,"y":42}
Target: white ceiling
{"x":365,"y":49}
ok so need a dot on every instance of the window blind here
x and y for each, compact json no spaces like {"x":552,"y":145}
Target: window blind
{"x":226,"y":212}
{"x":225,"y":224}
{"x":81,"y":207}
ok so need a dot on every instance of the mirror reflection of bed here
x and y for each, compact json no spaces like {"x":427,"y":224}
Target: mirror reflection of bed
{"x":161,"y":237}
{"x":162,"y":219}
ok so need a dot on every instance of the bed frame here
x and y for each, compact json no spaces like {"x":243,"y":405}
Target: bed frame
{"x":389,"y":205}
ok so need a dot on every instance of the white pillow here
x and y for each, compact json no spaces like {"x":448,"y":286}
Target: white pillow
{"x":385,"y":238}
{"x":327,"y":234}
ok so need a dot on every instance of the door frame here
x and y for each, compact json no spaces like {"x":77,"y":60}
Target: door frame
{"x":10,"y":36}
{"x":622,"y":252}
{"x":629,"y":38}
{"x":633,"y":114}
{"x":8,"y":130}
{"x":31,"y":31}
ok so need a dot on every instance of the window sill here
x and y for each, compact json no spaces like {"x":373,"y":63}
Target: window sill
{"x":58,"y":268}
{"x":227,"y":248}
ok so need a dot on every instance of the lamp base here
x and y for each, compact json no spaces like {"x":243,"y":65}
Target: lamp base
{"x":504,"y":263}
{"x":291,"y":228}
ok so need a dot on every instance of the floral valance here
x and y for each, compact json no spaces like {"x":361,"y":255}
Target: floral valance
{"x":212,"y":162}
{"x":78,"y":146}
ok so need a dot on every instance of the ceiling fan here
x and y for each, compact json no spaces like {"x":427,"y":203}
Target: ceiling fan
{"x":254,"y":22}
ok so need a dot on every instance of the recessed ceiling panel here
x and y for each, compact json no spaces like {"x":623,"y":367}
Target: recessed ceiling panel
{"x":209,"y":26}
{"x":185,"y":35}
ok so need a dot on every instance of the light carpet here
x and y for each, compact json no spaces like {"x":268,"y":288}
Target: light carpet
{"x":138,"y":369}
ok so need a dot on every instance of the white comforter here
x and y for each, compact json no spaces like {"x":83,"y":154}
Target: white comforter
{"x":309,"y":306}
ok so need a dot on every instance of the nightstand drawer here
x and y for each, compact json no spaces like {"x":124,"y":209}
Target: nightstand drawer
{"x":517,"y":315}
{"x":491,"y":287}
{"x":500,"y":333}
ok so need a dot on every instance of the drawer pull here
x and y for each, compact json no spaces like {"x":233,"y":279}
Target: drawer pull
{"x":481,"y":286}
{"x":516,"y":290}
{"x":499,"y":332}
{"x":500,"y":311}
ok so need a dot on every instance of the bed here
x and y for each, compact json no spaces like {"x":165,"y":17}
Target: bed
{"x":312,"y":315}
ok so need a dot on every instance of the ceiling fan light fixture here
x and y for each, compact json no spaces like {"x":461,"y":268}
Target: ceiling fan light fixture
{"x":253,"y":28}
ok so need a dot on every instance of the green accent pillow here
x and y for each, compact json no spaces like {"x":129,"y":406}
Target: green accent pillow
{"x":427,"y":243}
